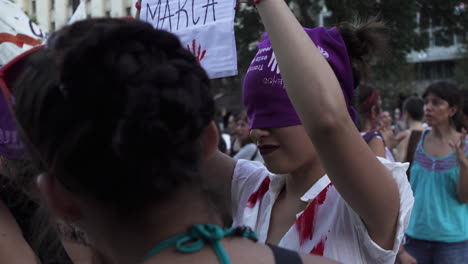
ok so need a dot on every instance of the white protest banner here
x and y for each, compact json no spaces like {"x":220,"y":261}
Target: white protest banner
{"x":17,"y":32}
{"x":205,"y":27}
{"x":80,"y":14}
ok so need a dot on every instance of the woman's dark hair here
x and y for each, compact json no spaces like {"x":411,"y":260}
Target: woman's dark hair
{"x":465,"y":102}
{"x":450,"y":93}
{"x":415,"y":107}
{"x":364,"y":41}
{"x":242,"y":116}
{"x":115,"y":110}
{"x":368,"y":97}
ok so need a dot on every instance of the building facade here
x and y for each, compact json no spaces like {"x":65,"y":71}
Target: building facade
{"x":53,"y":14}
{"x":438,"y":60}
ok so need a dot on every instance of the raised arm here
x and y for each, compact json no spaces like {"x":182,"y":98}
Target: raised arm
{"x":315,"y":92}
{"x":462,"y":185}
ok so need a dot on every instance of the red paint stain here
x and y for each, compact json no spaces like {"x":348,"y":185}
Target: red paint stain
{"x":319,"y":248}
{"x":19,"y":40}
{"x":258,"y":195}
{"x":306,"y":222}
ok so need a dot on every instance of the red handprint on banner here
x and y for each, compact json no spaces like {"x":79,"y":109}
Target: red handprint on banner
{"x":199,"y":54}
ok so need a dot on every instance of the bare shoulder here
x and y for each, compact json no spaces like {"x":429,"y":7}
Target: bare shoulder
{"x":313,"y":259}
{"x":247,"y":252}
{"x":377,"y":146}
{"x":219,"y":163}
{"x":13,"y":246}
{"x":8,"y":225}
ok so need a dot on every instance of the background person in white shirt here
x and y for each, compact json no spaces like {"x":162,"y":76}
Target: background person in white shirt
{"x":358,"y":212}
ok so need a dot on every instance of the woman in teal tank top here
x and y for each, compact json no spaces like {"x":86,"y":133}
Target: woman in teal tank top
{"x":438,"y":229}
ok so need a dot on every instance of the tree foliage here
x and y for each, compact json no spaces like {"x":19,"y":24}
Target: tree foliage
{"x":409,"y":22}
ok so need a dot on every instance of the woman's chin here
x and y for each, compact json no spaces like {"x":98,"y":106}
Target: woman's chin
{"x":275,"y":167}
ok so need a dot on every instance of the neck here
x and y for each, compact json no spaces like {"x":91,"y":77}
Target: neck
{"x":414,"y":125}
{"x":245,"y":142}
{"x":444,"y":130}
{"x":130,"y":242}
{"x":300,"y":181}
{"x":368,"y":125}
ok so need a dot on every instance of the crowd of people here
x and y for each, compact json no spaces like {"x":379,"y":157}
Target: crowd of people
{"x":111,"y":153}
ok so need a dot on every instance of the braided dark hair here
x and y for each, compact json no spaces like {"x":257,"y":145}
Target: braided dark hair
{"x":118,"y":109}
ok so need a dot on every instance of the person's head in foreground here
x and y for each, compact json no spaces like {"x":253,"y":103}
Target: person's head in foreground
{"x":121,"y":117}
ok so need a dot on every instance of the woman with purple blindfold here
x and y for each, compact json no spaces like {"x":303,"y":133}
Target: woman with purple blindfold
{"x":323,"y":190}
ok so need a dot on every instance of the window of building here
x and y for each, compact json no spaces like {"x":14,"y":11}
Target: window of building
{"x":74,"y":4}
{"x":52,"y":26}
{"x":461,"y":38}
{"x":34,"y":8}
{"x":108,"y":13}
{"x":128,"y":10}
{"x":436,"y":70}
{"x":52,"y":4}
{"x":442,"y":38}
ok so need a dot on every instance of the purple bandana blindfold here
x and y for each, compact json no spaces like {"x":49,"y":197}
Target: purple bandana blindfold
{"x":264,"y":96}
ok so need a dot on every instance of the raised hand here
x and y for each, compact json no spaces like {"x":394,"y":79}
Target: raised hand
{"x":199,"y":54}
{"x":389,"y":137}
{"x":459,"y":149}
{"x":405,"y":258}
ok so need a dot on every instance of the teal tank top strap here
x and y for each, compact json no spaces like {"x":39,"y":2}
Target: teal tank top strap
{"x":196,"y":238}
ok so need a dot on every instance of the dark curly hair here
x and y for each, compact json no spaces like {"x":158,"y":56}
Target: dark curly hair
{"x":115,"y":109}
{"x":450,"y":93}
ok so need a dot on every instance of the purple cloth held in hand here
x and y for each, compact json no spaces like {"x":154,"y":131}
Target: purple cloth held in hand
{"x":264,"y":95}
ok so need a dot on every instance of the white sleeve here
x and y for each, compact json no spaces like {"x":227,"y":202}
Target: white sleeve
{"x":246,"y":152}
{"x":368,"y":247}
{"x":246,"y":178}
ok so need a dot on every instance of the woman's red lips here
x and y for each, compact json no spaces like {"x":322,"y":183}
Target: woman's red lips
{"x":267,"y":149}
